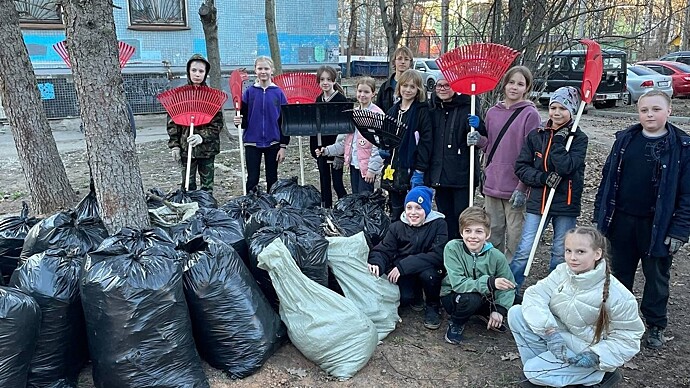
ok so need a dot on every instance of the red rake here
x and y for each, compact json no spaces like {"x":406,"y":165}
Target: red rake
{"x":125,"y":52}
{"x":191,"y":105}
{"x":474,"y":69}
{"x":591,"y":78}
{"x":299,"y":88}
{"x":237,"y":79}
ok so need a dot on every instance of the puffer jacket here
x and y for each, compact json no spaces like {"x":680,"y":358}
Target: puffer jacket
{"x":570,"y":303}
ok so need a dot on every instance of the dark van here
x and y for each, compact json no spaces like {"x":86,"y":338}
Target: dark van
{"x":566,"y":68}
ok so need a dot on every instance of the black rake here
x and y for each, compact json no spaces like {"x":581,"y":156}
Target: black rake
{"x":380,"y":129}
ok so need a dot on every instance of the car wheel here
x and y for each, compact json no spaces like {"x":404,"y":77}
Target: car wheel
{"x":430,"y":84}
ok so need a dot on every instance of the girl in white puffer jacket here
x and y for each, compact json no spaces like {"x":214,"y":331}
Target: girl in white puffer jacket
{"x":579,"y":324}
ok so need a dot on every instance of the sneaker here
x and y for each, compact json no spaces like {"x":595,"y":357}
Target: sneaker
{"x":610,"y":379}
{"x":417,"y":305}
{"x":655,"y":337}
{"x":454,"y":333}
{"x":432,"y":317}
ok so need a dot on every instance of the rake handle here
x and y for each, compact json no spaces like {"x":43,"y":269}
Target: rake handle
{"x":242,"y":162}
{"x":189,"y":156}
{"x":473,"y":107}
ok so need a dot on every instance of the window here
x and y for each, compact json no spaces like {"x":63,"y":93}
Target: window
{"x":38,"y":12}
{"x":163,"y":13}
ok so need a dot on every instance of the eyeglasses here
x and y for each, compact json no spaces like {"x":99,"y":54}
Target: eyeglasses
{"x":442,"y":86}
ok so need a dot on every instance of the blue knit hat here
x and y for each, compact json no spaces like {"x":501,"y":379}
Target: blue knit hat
{"x":421,"y":195}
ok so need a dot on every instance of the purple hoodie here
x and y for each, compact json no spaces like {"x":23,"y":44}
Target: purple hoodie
{"x":500,"y":173}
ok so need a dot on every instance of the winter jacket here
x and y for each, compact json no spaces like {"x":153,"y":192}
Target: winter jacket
{"x":326,"y":140}
{"x":412,"y":249}
{"x":672,"y":209}
{"x":385,"y":98}
{"x":449,"y":163}
{"x":368,"y":158}
{"x":542,"y":154}
{"x":261,"y":116}
{"x":475,"y":272}
{"x":570,"y":303}
{"x":414,"y":150}
{"x":501,"y":180}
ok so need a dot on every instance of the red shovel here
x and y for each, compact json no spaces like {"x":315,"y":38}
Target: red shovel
{"x":590,"y":81}
{"x":237,"y":78}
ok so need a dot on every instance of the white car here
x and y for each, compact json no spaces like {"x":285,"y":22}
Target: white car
{"x":429,"y":70}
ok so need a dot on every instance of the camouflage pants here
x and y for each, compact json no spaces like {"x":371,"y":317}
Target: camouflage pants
{"x":205,"y":168}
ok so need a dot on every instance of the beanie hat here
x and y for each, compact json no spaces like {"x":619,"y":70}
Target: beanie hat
{"x":199,"y":58}
{"x":567,"y":96}
{"x":421,"y":195}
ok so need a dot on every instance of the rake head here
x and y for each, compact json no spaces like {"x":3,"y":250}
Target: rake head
{"x":299,"y":88}
{"x":125,"y":52}
{"x":237,"y":79}
{"x":380,"y":129}
{"x":476,"y":68}
{"x":594,"y":66}
{"x":192,"y":104}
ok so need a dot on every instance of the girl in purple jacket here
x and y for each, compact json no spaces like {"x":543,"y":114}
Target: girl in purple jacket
{"x":504,"y":194}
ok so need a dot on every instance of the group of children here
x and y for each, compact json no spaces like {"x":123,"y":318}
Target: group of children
{"x":580,"y":323}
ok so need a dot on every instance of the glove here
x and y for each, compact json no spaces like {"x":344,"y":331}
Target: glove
{"x":517,"y":200}
{"x":417,"y":179}
{"x":552,"y":180}
{"x":195,"y":140}
{"x":175,"y":152}
{"x":673,"y":244}
{"x":384,"y":154}
{"x":586,"y":359}
{"x":556,"y":345}
{"x":473,"y":137}
{"x":562,"y":134}
{"x":473,"y":121}
{"x":338,"y":163}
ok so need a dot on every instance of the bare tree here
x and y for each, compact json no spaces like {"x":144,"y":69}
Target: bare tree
{"x":92,"y":45}
{"x":209,"y":21}
{"x":392,"y":23}
{"x":272,"y":33}
{"x":45,"y":174}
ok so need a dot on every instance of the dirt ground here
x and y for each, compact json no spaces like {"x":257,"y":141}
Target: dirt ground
{"x":411,"y":355}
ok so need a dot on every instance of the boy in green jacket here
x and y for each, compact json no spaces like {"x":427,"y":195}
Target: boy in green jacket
{"x":479,"y":280}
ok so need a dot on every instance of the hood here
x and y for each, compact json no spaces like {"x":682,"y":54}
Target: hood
{"x":486,"y":248}
{"x":434,"y":215}
{"x":257,"y":84}
{"x":200,"y":58}
{"x":523,"y":103}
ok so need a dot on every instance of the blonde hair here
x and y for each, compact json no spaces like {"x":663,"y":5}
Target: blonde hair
{"x":368,"y":81}
{"x":474,"y":215}
{"x":653,"y":93}
{"x":529,"y":79}
{"x":413,"y":77}
{"x":404,"y":51}
{"x":263,"y":58}
{"x":332,"y":74}
{"x":598,"y":241}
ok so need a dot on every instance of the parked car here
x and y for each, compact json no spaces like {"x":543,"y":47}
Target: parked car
{"x":679,"y":72}
{"x":429,"y":71}
{"x":641,"y":79}
{"x":678,"y":56}
{"x":566,"y":68}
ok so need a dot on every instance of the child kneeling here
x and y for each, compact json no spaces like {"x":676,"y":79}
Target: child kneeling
{"x":579,"y":324}
{"x":411,"y":254}
{"x":479,"y":281}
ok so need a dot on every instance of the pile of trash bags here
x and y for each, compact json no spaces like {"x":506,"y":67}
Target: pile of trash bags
{"x":13,"y":230}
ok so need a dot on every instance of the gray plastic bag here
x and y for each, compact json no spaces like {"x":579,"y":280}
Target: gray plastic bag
{"x":326,"y":327}
{"x":375,"y":296}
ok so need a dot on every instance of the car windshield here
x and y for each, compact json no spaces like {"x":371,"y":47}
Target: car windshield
{"x":640,"y":70}
{"x":432,"y":65}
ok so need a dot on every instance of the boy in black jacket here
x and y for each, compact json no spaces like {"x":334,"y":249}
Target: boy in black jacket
{"x":411,"y":254}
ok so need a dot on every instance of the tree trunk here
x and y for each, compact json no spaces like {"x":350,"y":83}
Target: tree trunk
{"x":515,"y":28}
{"x":272,"y":33}
{"x":92,"y":45}
{"x":536,"y":21}
{"x":367,"y":31}
{"x":392,"y":25}
{"x":45,"y":174}
{"x":444,"y":26}
{"x":209,"y":17}
{"x":351,"y":31}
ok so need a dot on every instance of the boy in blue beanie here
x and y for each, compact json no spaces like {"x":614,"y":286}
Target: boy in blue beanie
{"x":411,"y":255}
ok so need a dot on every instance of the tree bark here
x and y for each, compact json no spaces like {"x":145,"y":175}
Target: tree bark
{"x":272,"y":33}
{"x":209,"y":17}
{"x":515,"y":29}
{"x":45,"y":174}
{"x":351,"y":32}
{"x":92,"y":45}
{"x":392,"y":24}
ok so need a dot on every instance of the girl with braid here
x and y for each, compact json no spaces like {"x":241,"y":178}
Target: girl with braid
{"x":579,"y":324}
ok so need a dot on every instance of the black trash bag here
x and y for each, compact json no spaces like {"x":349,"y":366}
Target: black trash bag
{"x":202,"y":197}
{"x":139,"y":240}
{"x":20,"y":320}
{"x":244,"y":206}
{"x":235,"y":328}
{"x":52,"y":279}
{"x":216,"y":223}
{"x":66,"y":231}
{"x":308,"y":249}
{"x":13,"y":230}
{"x":360,"y":213}
{"x":300,"y":197}
{"x":154,"y":198}
{"x":138,"y":326}
{"x":284,"y":216}
{"x":358,"y":201}
{"x":88,"y":206}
